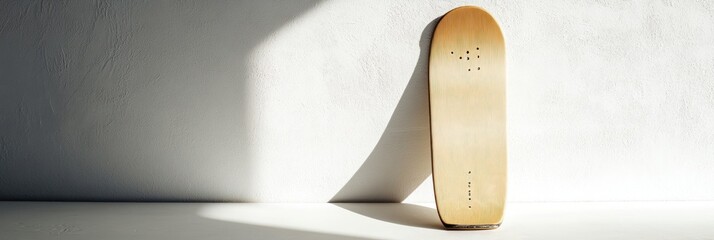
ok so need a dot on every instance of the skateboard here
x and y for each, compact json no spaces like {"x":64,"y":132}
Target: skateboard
{"x":467,"y":105}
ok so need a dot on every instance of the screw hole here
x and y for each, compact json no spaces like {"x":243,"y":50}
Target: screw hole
{"x":459,"y":57}
{"x":476,"y":48}
{"x":467,"y":58}
{"x":452,"y":52}
{"x":467,"y":52}
{"x":469,"y":69}
{"x":478,"y":56}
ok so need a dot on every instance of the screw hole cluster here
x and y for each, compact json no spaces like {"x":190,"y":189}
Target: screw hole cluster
{"x":468,"y":58}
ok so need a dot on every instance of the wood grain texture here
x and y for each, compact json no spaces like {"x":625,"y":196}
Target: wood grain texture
{"x":467,"y":91}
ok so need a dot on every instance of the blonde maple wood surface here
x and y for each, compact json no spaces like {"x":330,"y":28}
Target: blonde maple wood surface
{"x":467,"y":91}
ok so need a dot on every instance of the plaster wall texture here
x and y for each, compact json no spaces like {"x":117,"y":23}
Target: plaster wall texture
{"x":307,"y":101}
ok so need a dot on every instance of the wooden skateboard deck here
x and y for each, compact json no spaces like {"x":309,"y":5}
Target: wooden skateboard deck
{"x":467,"y":101}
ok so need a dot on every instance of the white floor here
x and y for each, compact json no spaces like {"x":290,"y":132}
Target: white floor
{"x":616,"y":220}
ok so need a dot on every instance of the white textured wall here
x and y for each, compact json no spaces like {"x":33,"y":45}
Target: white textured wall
{"x":319,"y":101}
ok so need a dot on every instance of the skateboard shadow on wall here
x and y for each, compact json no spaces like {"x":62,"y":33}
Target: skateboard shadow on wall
{"x":401,"y":160}
{"x":130,"y":101}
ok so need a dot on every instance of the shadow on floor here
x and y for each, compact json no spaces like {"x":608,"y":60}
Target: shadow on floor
{"x":156,"y":221}
{"x":401,"y":213}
